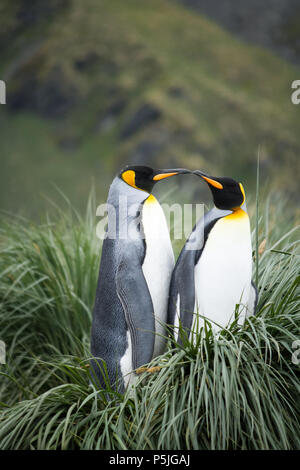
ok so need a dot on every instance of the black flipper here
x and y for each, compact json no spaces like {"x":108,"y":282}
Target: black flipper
{"x":136,"y":300}
{"x":182,"y":290}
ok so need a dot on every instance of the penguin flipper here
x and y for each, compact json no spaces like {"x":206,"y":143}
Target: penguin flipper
{"x":138,"y":308}
{"x":184,"y":290}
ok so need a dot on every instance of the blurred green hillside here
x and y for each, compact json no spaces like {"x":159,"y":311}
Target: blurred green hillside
{"x":95,"y":85}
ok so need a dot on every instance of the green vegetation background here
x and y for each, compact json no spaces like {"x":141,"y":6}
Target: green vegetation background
{"x":94,"y":85}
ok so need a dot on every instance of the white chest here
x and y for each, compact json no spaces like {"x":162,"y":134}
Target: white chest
{"x":223,"y":272}
{"x":158,"y":264}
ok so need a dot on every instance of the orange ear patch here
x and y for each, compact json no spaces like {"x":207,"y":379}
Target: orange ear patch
{"x":129,"y":178}
{"x":214,"y":183}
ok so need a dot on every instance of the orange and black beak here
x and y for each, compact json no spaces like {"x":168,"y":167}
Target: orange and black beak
{"x":162,"y":174}
{"x":209,"y":179}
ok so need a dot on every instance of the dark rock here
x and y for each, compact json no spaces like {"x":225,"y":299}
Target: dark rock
{"x":85,"y":63}
{"x":29,"y":13}
{"x":144,"y":116}
{"x":112,"y":112}
{"x":176,"y":92}
{"x":68,"y":144}
{"x":23,"y":15}
{"x":266,"y":23}
{"x":51,"y":97}
{"x":145,"y":153}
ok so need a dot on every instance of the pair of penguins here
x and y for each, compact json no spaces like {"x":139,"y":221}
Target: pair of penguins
{"x":140,"y":289}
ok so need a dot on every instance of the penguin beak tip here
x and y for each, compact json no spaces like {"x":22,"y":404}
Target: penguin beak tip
{"x":199,"y":173}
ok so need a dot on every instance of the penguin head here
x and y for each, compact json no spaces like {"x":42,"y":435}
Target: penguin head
{"x":227,"y":193}
{"x":144,"y":177}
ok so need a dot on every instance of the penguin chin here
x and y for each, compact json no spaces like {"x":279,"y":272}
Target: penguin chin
{"x":229,"y":202}
{"x":225,"y":207}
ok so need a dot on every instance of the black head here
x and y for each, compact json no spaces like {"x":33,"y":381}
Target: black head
{"x":144,"y":177}
{"x":227,"y":193}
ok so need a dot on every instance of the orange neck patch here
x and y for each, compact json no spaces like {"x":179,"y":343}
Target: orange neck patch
{"x":151,"y":199}
{"x":236,"y":214}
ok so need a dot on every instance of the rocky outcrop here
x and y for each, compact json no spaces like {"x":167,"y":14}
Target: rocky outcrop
{"x":143,"y":116}
{"x":270,"y":23}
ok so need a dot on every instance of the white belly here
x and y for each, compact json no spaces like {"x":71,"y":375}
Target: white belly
{"x":126,"y":364}
{"x":223,"y":272}
{"x":158,"y":265}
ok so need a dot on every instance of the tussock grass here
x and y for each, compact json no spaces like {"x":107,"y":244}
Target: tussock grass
{"x":237,"y":391}
{"x":48,"y":279}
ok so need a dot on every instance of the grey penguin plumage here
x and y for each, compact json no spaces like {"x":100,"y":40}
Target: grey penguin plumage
{"x":213,"y":272}
{"x":134,"y":276}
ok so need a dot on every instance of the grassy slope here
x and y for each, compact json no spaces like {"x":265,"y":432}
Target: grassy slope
{"x":233,"y":97}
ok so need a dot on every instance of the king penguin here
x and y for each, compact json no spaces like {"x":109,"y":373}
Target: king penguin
{"x":136,"y":265}
{"x":213,"y":273}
